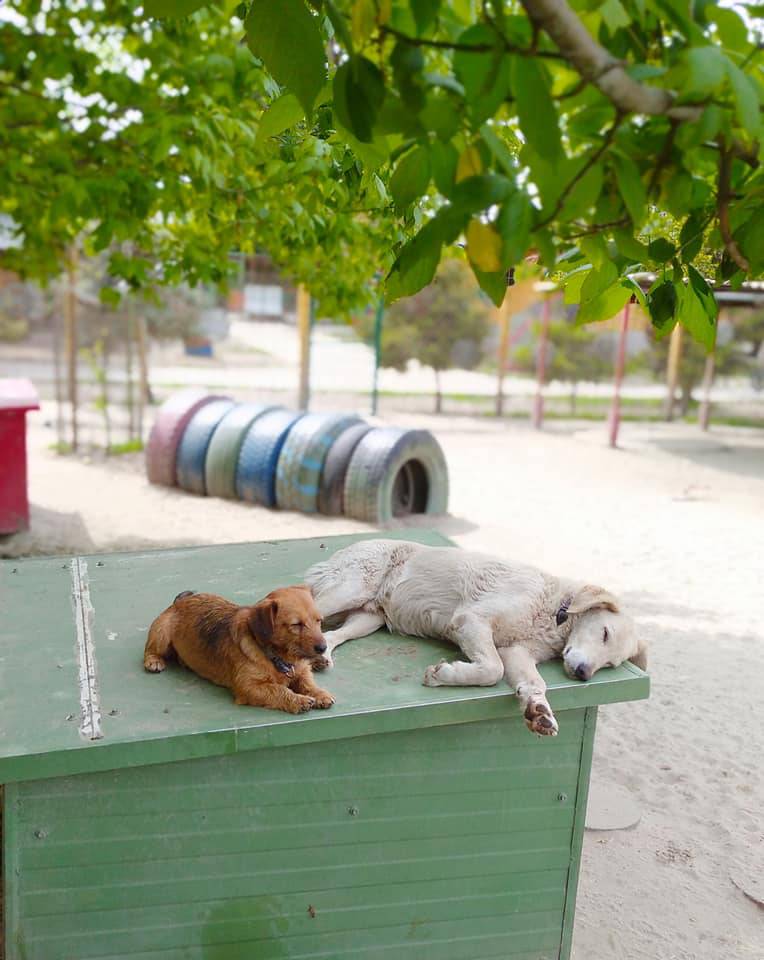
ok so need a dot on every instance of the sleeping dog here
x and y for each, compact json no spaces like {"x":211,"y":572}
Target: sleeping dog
{"x":505,"y":618}
{"x":262,"y":653}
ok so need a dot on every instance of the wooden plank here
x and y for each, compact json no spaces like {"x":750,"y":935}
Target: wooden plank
{"x":161,"y":718}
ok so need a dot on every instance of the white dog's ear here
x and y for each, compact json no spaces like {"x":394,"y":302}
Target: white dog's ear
{"x":592,"y":598}
{"x":640,"y":657}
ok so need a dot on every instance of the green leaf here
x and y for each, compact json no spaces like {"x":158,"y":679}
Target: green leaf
{"x":485,"y":76}
{"x":282,"y":114}
{"x":443,"y":160}
{"x":746,"y":99}
{"x":631,"y":187}
{"x":598,"y":280}
{"x":492,"y":284}
{"x":629,"y":247}
{"x":605,"y":304}
{"x":572,"y":285}
{"x":614,"y":15}
{"x":661,"y":250}
{"x":750,"y":237}
{"x":691,"y":236}
{"x":109,"y":296}
{"x":416,"y":263}
{"x":535,"y":108}
{"x":514,"y":223}
{"x":732,"y":30}
{"x":477,"y":193}
{"x":440,"y":116}
{"x":694,"y":311}
{"x":359,"y":89}
{"x":363,"y":19}
{"x":167,"y":9}
{"x":662,"y":301}
{"x":287,"y":38}
{"x":499,"y":148}
{"x":424,"y":12}
{"x":706,"y":70}
{"x":410,"y":178}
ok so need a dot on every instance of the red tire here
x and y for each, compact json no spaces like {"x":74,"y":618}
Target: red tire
{"x":171,"y":420}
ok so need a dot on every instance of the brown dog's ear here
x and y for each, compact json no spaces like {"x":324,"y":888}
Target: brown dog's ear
{"x":262,"y":619}
{"x":640,"y":657}
{"x":592,"y":598}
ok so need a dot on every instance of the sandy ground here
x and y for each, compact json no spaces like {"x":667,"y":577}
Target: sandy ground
{"x":674,"y":522}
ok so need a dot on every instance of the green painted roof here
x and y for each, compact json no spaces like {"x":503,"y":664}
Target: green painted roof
{"x":148,"y":719}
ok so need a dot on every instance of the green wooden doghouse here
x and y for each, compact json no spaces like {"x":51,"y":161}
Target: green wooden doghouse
{"x":406,"y":823}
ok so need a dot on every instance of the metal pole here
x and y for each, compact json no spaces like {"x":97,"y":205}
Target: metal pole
{"x":538,"y":403}
{"x":620,"y":362}
{"x":70,"y":339}
{"x":378,"y":317}
{"x":303,"y":328}
{"x":672,"y":373}
{"x":704,"y":415}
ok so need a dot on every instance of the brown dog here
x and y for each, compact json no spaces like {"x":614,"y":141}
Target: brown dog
{"x":262,"y":653}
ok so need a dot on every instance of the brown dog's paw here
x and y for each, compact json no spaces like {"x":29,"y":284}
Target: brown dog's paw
{"x":153,"y":664}
{"x":540,"y":719}
{"x":321,"y":663}
{"x":323,"y":700}
{"x":300,"y":704}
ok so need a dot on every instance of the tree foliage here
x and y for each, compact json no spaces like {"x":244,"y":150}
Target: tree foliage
{"x":442,"y":326}
{"x":559,"y":127}
{"x":169,"y":147}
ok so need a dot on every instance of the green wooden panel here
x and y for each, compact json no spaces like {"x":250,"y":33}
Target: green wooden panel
{"x":175,"y":716}
{"x":449,"y":843}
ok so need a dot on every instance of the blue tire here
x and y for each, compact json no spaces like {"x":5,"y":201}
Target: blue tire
{"x":298,"y":474}
{"x":259,"y":454}
{"x":225,"y":447}
{"x":395,"y":473}
{"x":192,"y":449}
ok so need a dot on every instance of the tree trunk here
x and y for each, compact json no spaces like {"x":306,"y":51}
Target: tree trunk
{"x":438,"y":394}
{"x":144,"y":393}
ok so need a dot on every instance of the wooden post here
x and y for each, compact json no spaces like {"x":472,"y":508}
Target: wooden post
{"x":144,"y":392}
{"x":704,"y":415}
{"x":130,"y":397}
{"x":620,"y":362}
{"x":377,"y":353}
{"x":70,"y":339}
{"x":504,"y":314}
{"x":538,"y":403}
{"x":303,"y":328}
{"x":672,"y":372}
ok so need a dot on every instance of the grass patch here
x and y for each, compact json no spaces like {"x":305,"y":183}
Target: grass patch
{"x":130,"y":446}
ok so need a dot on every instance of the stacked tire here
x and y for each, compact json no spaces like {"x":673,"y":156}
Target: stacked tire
{"x":335,"y":464}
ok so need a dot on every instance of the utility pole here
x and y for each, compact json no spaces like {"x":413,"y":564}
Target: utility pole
{"x":672,"y":373}
{"x":504,"y":313}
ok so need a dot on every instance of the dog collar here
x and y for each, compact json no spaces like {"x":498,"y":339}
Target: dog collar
{"x":278,"y":662}
{"x":562,"y":611}
{"x":281,"y":665}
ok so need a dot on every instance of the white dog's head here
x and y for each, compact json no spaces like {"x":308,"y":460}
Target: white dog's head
{"x":601,"y":636}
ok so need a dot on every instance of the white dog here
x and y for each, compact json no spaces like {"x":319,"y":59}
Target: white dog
{"x":505,"y":618}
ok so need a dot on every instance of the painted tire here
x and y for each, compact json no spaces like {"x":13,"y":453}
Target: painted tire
{"x":259,"y":454}
{"x":192,"y":449}
{"x":332,"y":486}
{"x":225,"y":446}
{"x":298,"y":473}
{"x":394,"y":473}
{"x":171,"y":421}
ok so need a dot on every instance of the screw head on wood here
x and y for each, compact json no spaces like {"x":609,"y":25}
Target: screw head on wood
{"x":353,"y":811}
{"x":562,"y":797}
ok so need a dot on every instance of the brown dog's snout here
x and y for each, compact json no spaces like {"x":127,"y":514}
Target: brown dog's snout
{"x":320,"y":647}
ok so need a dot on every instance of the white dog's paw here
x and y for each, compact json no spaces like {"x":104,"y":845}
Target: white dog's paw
{"x":437,"y":674}
{"x":540,"y":719}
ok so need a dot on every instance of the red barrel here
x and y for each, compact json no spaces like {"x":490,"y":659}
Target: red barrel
{"x":16,"y":397}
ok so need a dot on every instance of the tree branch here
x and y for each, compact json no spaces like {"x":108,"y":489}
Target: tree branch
{"x":723,"y":198}
{"x":469,"y":47}
{"x":599,"y":66}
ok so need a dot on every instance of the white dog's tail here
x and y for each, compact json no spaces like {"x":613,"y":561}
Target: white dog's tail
{"x":353,"y":577}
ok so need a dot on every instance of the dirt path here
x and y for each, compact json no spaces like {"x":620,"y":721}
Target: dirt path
{"x":674,"y":523}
